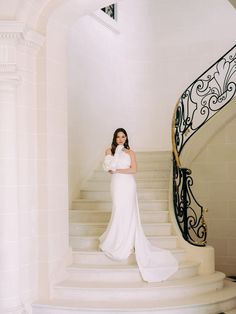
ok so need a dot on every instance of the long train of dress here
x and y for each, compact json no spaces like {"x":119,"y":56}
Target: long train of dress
{"x":124,"y":233}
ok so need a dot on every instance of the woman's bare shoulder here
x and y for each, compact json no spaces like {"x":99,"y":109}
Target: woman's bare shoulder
{"x":108,"y":151}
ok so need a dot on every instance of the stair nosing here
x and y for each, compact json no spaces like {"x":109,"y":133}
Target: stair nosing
{"x":137,"y":179}
{"x":109,"y":201}
{"x":140,"y":190}
{"x":102,"y":210}
{"x":93,"y":252}
{"x":104,"y":223}
{"x":152,"y":237}
{"x":121,"y":267}
{"x":139,"y":171}
{"x":199,"y":300}
{"x":190,"y":281}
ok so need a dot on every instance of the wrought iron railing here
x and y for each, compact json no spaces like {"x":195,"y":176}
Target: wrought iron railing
{"x":206,"y":96}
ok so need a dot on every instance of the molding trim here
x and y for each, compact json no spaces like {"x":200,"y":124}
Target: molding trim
{"x":8,"y":68}
{"x":8,"y":26}
{"x":8,"y":35}
{"x":18,"y":30}
{"x":8,"y":82}
{"x":34,"y":37}
{"x":106,"y":20}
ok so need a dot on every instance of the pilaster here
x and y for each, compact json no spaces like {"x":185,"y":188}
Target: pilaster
{"x":18,"y":49}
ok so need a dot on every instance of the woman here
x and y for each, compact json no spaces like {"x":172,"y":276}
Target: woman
{"x":124,"y":232}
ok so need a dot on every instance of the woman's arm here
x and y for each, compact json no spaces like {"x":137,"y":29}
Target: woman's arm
{"x":109,"y":162}
{"x":133,"y":166}
{"x":108,"y":151}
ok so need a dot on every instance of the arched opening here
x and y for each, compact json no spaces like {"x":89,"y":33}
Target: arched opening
{"x":56,"y":19}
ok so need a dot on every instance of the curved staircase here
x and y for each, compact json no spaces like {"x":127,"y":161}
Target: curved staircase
{"x":97,"y":284}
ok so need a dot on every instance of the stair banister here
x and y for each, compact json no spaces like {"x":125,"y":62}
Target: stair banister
{"x":205,"y":97}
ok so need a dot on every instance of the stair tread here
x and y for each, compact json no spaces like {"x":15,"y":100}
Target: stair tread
{"x":199,"y":279}
{"x":150,"y":236}
{"x":103,"y":210}
{"x":76,"y":266}
{"x":109,"y":201}
{"x":96,"y":253}
{"x":143,"y":170}
{"x":140,"y":190}
{"x":92,"y":252}
{"x":136,"y":179}
{"x":227,"y":293}
{"x":105,"y":224}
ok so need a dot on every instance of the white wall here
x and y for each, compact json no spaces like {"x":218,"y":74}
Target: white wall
{"x":133,"y":79}
{"x":95,"y":106}
{"x":214,"y":173}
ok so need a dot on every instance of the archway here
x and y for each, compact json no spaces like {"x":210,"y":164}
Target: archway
{"x":51,"y":246}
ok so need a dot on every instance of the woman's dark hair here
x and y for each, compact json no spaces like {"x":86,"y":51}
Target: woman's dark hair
{"x":114,"y":144}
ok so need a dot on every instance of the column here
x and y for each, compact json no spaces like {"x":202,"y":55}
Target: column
{"x":9,"y":236}
{"x":18,"y":168}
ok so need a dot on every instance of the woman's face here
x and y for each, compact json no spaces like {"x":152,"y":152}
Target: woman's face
{"x":120,"y":138}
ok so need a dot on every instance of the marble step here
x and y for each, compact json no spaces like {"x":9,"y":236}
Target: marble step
{"x":128,"y":291}
{"x":144,"y":194}
{"x":82,"y":204}
{"x":91,"y":243}
{"x":89,"y":216}
{"x":217,"y":301}
{"x":104,"y":185}
{"x":121,"y":273}
{"x":98,"y":257}
{"x":148,"y":165}
{"x":96,"y":229}
{"x":144,"y":174}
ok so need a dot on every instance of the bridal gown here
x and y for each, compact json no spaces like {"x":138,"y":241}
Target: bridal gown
{"x":124,"y":233}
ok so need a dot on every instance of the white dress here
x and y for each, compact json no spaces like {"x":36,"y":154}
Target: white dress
{"x":124,"y":233}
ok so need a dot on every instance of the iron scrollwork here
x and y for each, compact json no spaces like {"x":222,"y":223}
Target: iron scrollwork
{"x":205,"y":97}
{"x":188,"y":212}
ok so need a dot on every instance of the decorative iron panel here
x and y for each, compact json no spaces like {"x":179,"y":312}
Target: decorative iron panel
{"x":188,"y":212}
{"x":204,"y":98}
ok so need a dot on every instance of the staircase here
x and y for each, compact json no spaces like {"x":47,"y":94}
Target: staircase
{"x":97,"y":284}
